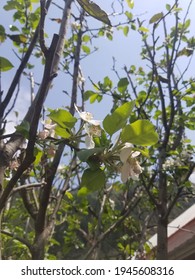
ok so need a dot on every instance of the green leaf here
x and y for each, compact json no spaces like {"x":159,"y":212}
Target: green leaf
{"x":86,"y":49}
{"x":92,"y":180}
{"x":18,"y":38}
{"x":141,"y":132}
{"x":12,"y":5}
{"x":63,"y":118}
{"x":122,"y":85}
{"x":130,"y":3}
{"x":94,"y":10}
{"x":126,"y":30}
{"x":168,"y":7}
{"x":86,"y":38}
{"x":186,"y":52}
{"x":38,"y":155}
{"x":85,"y":154}
{"x":156,"y":17}
{"x":13,"y":28}
{"x":61,"y":131}
{"x":118,"y":118}
{"x":94,"y":97}
{"x":187,"y":24}
{"x":143,"y":29}
{"x":2,"y":34}
{"x":5,"y":64}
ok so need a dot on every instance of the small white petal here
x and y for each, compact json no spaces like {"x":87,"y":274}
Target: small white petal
{"x":95,"y":122}
{"x":125,"y":172}
{"x":125,"y":153}
{"x":89,"y":142}
{"x":135,"y":154}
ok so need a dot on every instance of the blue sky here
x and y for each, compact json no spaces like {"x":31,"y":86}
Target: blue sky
{"x":98,"y":65}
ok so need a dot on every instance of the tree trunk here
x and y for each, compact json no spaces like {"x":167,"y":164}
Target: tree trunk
{"x":162,"y":244}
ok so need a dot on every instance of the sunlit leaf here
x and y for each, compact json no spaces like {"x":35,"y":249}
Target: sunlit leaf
{"x":117,"y":120}
{"x":126,"y":30}
{"x":86,"y":49}
{"x":141,"y":132}
{"x":143,"y":29}
{"x":5,"y":64}
{"x":94,"y":10}
{"x":62,"y":132}
{"x":187,"y":24}
{"x":130,"y":3}
{"x":63,"y":118}
{"x":86,"y":38}
{"x":38,"y":155}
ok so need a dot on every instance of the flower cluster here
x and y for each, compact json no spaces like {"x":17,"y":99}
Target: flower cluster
{"x":48,"y":131}
{"x":91,"y":126}
{"x":171,"y":162}
{"x":129,"y":166}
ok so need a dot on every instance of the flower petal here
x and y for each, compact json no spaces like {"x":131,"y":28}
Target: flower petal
{"x":135,"y":154}
{"x":94,"y":122}
{"x":125,"y":172}
{"x":125,"y":153}
{"x":89,"y":142}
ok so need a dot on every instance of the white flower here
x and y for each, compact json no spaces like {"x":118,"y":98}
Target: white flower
{"x":87,"y":117}
{"x":75,"y":25}
{"x":171,"y":163}
{"x":49,"y":129}
{"x":91,"y":126}
{"x":130,"y":166}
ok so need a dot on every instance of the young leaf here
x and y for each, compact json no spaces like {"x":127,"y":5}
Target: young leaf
{"x":5,"y":64}
{"x":86,"y":49}
{"x":141,"y":132}
{"x":143,"y":29}
{"x":62,"y":132}
{"x":118,"y":118}
{"x":130,"y":3}
{"x":123,"y":84}
{"x":63,"y":118}
{"x":94,"y":10}
{"x":126,"y":30}
{"x":156,"y":18}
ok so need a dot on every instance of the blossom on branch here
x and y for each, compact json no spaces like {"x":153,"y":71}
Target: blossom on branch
{"x":48,"y":131}
{"x":130,"y":166}
{"x":91,"y":126}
